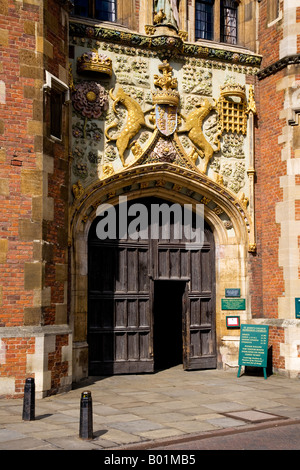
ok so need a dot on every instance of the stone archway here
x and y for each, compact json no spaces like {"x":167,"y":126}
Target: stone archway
{"x":230,"y":224}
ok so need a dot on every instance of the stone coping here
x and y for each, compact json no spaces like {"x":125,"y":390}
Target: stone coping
{"x":27,"y":331}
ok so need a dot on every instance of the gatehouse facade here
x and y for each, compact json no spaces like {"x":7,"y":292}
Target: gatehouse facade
{"x":127,"y":106}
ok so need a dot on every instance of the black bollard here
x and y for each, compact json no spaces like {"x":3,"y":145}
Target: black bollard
{"x":29,"y":400}
{"x":86,"y":416}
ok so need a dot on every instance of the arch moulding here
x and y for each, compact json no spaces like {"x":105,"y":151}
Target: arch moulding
{"x":227,"y":216}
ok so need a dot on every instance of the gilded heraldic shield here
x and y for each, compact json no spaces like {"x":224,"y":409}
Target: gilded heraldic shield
{"x":166,"y":118}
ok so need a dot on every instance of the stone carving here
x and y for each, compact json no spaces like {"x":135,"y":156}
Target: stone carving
{"x":82,"y":33}
{"x":108,"y":170}
{"x":110,"y":153}
{"x":87,"y":131}
{"x":233,"y":146}
{"x":251,"y":101}
{"x":244,"y":200}
{"x":232,"y":107}
{"x":92,"y":61}
{"x":78,"y":190}
{"x":135,"y":121}
{"x":197,"y":80}
{"x":233,"y":175}
{"x":90,"y":100}
{"x":166,"y":12}
{"x":132,"y":71}
{"x":228,"y":224}
{"x":159,"y":17}
{"x":167,"y":84}
{"x":164,"y":151}
{"x":80,"y":170}
{"x":193,"y":125}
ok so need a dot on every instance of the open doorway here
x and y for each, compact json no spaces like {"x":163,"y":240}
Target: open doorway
{"x":168,"y":323}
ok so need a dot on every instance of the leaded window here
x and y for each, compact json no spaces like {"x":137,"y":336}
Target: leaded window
{"x":104,"y":10}
{"x":204,"y":28}
{"x":229,"y":21}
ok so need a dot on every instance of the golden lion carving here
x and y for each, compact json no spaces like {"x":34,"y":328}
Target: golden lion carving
{"x":135,"y":121}
{"x":193,"y":125}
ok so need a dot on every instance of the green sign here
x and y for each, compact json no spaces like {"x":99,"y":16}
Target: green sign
{"x":254,"y":347}
{"x":297,"y":307}
{"x":233,"y":304}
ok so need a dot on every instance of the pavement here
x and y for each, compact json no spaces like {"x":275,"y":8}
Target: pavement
{"x":148,"y":411}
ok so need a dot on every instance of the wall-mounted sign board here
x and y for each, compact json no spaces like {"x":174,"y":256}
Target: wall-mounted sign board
{"x":233,"y":304}
{"x":254,"y":347}
{"x":232,"y":321}
{"x":297,"y":307}
{"x":232,"y":292}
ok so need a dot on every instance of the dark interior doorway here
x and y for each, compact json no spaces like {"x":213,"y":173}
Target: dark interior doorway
{"x":168,"y":322}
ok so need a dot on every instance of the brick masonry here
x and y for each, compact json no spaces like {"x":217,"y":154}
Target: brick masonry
{"x":35,"y":337}
{"x":33,"y":193}
{"x":274,"y":269}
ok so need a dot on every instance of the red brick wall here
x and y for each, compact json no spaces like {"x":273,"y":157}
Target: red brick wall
{"x":56,"y":231}
{"x":269,"y":37}
{"x":15,"y":361}
{"x":276,"y":337}
{"x":298,"y":21}
{"x":24,"y":57}
{"x":15,"y":144}
{"x":267,"y":282}
{"x":58,"y":367}
{"x":267,"y":275}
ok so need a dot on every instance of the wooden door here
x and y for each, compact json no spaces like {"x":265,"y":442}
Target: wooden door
{"x":119,"y":315}
{"x":123,"y":301}
{"x":199,"y":325}
{"x":196,"y":266}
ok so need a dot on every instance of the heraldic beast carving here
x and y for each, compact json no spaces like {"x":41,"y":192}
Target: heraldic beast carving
{"x":135,"y":121}
{"x":193,"y":125}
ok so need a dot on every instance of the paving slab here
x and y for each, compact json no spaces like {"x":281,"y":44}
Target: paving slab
{"x":194,"y":426}
{"x":253,"y":416}
{"x":27,"y":443}
{"x":285,"y":411}
{"x":73,"y":443}
{"x":225,"y":406}
{"x":7,"y":435}
{"x":120,"y":437}
{"x":161,"y":433}
{"x":136,"y":426}
{"x":115,"y":418}
{"x":137,"y":409}
{"x":226,"y":422}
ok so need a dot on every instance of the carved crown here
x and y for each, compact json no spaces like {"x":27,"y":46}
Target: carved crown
{"x":166,"y":97}
{"x":167,"y":94}
{"x":233,"y":89}
{"x":93,"y":62}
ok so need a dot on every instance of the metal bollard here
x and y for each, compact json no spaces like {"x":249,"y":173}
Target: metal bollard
{"x":29,"y":400}
{"x":86,"y":416}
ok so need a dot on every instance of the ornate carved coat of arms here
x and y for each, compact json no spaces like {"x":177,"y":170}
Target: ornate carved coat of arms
{"x":166,"y":100}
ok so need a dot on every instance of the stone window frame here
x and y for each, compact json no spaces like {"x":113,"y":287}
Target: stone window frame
{"x":217,"y":27}
{"x":274,"y":12}
{"x":125,"y":14}
{"x":208,"y":20}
